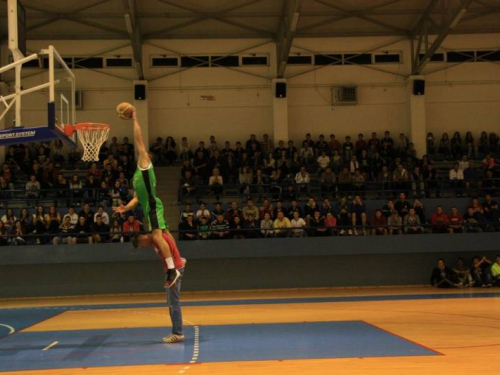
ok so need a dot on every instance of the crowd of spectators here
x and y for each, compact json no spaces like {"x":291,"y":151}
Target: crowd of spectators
{"x":343,"y":218}
{"x":339,"y":167}
{"x":482,"y":272}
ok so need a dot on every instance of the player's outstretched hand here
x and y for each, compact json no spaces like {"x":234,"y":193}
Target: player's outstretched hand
{"x":120,"y":209}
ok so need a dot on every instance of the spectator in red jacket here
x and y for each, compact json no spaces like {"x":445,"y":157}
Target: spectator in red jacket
{"x":439,"y":221}
{"x":456,"y":221}
{"x":130,"y":228}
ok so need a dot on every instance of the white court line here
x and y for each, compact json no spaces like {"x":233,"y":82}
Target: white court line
{"x":11,"y":329}
{"x":196,"y":348}
{"x":50,"y":346}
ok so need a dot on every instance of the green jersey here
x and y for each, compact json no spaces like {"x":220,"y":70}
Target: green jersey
{"x":144,"y":182}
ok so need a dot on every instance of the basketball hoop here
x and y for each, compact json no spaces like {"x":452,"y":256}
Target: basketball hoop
{"x":91,"y":136}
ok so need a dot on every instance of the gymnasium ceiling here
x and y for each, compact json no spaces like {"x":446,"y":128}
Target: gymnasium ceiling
{"x":174,"y":19}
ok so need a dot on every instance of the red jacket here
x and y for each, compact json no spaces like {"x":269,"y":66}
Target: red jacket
{"x":178,"y":261}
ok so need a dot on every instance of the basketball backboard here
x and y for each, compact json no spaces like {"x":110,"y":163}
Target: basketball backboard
{"x":58,"y":87}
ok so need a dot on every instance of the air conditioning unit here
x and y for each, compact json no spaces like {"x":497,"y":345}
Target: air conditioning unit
{"x":78,"y":99}
{"x":345,"y":95}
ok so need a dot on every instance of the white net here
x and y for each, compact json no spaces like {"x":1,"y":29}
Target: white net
{"x":92,"y":136}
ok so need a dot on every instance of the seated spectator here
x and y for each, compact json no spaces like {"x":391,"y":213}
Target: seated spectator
{"x":9,"y":219}
{"x":358,"y":212}
{"x":233,"y":212}
{"x":379,"y":224}
{"x":185,"y":213}
{"x":472,"y":221}
{"x":345,"y":181}
{"x":323,"y":162}
{"x":218,"y":210}
{"x":4,"y":239}
{"x":472,"y":177}
{"x":100,"y":230}
{"x":245,"y":179}
{"x":439,"y":221}
{"x":220,"y":228}
{"x":88,"y":214}
{"x":76,"y":186}
{"x":40,"y":223}
{"x":266,"y":208}
{"x":18,"y":232}
{"x":344,"y":219}
{"x":202,"y":212}
{"x":204,"y":229}
{"x":250,"y":208}
{"x":358,"y":181}
{"x":481,"y":272}
{"x":303,"y":181}
{"x":495,"y":270}
{"x":297,"y":224}
{"x":491,"y":212}
{"x":130,"y":228}
{"x":103,"y":194}
{"x":400,"y":178}
{"x":170,"y":151}
{"x":82,"y":231}
{"x":94,"y":171}
{"x":412,"y":224}
{"x":251,"y":227}
{"x":33,"y":188}
{"x":417,"y":183}
{"x":266,"y":226}
{"x":118,"y":194}
{"x":402,"y":206}
{"x":294,"y":207}
{"x":215,"y":183}
{"x":330,"y":224}
{"x":394,"y":223}
{"x":442,"y":276}
{"x":490,"y":184}
{"x":116,"y":232}
{"x":236,"y":227}
{"x":317,"y":225}
{"x":456,"y":221}
{"x":25,"y":220}
{"x":187,"y":229}
{"x":158,"y":150}
{"x":327,"y":181}
{"x":188,"y":183}
{"x":456,"y":179}
{"x":110,"y":162}
{"x":73,"y":217}
{"x":282,"y":225}
{"x":66,"y":229}
{"x":462,"y":274}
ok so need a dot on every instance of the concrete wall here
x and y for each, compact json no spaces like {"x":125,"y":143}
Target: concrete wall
{"x":463,"y":97}
{"x":235,"y":265}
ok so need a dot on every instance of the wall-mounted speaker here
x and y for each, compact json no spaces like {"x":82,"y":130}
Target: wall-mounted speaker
{"x":140,"y":92}
{"x":281,"y":89}
{"x":419,"y":87}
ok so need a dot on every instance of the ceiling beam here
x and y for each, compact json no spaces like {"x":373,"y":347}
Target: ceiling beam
{"x":446,"y":27}
{"x":134,"y":32}
{"x":286,"y":32}
{"x":362,"y":15}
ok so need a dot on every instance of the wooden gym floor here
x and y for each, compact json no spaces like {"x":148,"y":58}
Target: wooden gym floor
{"x":341,"y":331}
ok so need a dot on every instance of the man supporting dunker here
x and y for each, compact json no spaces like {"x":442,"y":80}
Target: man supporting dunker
{"x":144,"y":182}
{"x":173,"y":294}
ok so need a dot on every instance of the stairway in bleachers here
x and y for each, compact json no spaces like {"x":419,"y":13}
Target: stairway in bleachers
{"x":167,"y":186}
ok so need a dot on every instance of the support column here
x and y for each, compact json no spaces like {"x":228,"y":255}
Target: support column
{"x":280,"y":115}
{"x":142,"y":107}
{"x":416,"y":111}
{"x":4,"y":88}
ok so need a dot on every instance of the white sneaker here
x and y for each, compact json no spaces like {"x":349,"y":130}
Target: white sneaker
{"x":172,"y":339}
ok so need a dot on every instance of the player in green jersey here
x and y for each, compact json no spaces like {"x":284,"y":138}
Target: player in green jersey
{"x":144,"y":183}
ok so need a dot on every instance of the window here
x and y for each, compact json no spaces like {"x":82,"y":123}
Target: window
{"x":299,"y":60}
{"x":461,"y":56}
{"x":328,"y":59}
{"x":434,"y":58}
{"x":194,"y":61}
{"x":118,"y":62}
{"x":357,"y":58}
{"x":217,"y":61}
{"x":164,"y":61}
{"x":385,"y":58}
{"x":488,"y":56}
{"x":254,"y":60}
{"x":89,"y":62}
{"x":32,"y":64}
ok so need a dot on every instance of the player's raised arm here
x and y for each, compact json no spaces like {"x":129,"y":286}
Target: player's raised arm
{"x":143,"y":159}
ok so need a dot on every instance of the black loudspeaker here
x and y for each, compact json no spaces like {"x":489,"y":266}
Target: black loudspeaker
{"x":140,"y":92}
{"x":419,"y":87}
{"x":281,"y":89}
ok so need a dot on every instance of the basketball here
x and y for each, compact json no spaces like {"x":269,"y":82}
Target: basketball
{"x":125,"y":110}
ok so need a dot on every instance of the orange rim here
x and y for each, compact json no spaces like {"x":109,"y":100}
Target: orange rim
{"x":70,"y":129}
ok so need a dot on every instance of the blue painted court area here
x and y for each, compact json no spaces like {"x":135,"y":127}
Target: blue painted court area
{"x":224,"y":343}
